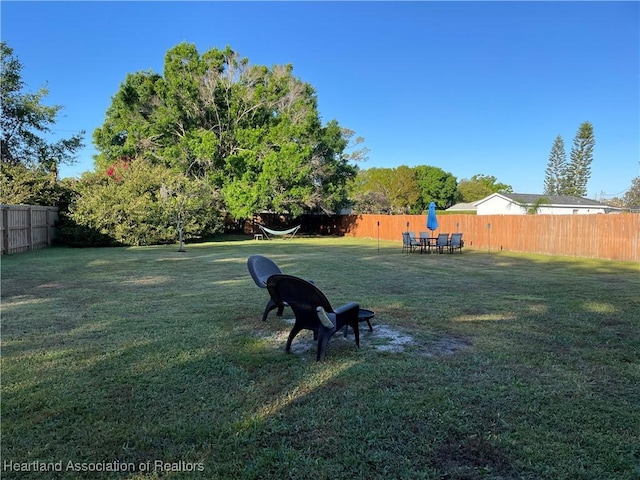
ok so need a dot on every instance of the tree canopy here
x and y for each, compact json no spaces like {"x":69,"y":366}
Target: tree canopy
{"x":631,"y":198}
{"x":435,"y":185}
{"x":402,"y":189}
{"x":28,"y":160}
{"x":138,"y":203}
{"x":24,"y":120}
{"x":479,"y":187}
{"x":251,"y":131}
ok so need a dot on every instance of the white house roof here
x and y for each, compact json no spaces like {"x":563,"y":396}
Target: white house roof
{"x":462,"y":207}
{"x":551,"y":200}
{"x":518,"y":203}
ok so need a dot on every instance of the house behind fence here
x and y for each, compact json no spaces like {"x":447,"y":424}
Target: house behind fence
{"x":26,"y":227}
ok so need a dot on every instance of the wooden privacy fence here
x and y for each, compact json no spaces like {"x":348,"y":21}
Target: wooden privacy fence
{"x":26,"y":227}
{"x":607,"y":236}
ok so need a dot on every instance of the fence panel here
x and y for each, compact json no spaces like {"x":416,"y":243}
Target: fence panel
{"x":609,"y":236}
{"x":26,"y":227}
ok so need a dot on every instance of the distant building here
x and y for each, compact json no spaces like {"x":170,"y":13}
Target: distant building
{"x":462,"y":208}
{"x":524,"y":203}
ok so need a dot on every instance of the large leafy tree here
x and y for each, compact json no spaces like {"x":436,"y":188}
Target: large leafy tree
{"x":252,"y":132}
{"x":370,"y":191}
{"x":479,"y":187}
{"x":188,"y":205}
{"x":28,"y":161}
{"x":631,"y":198}
{"x":25,"y":121}
{"x":556,"y":168}
{"x":385,"y":190}
{"x":405,"y":189}
{"x":402,"y":190}
{"x":436,"y":186}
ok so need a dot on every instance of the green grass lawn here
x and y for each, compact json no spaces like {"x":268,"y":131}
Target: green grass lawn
{"x":149,"y":360}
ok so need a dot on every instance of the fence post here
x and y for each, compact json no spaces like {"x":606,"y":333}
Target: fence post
{"x":30,"y":227}
{"x":48,"y":236}
{"x":5,"y":230}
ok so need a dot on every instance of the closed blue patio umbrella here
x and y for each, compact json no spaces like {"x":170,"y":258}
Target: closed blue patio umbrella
{"x":432,"y":221}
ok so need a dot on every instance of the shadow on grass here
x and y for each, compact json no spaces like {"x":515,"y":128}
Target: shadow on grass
{"x":137,"y":354}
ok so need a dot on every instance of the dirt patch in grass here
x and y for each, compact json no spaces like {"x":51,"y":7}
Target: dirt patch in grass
{"x":387,"y":339}
{"x":384,"y":338}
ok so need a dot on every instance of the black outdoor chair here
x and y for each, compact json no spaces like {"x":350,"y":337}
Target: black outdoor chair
{"x":261,"y":268}
{"x":304,"y":298}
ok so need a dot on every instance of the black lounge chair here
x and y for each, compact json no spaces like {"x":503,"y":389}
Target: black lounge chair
{"x":304,"y":298}
{"x":261,"y":268}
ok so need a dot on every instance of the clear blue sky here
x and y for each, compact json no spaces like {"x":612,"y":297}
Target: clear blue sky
{"x":470,"y":87}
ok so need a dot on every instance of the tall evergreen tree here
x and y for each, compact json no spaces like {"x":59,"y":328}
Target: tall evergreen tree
{"x":579,"y":169}
{"x":554,"y":175}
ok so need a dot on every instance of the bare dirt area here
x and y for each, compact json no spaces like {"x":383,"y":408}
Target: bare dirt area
{"x":383,"y":338}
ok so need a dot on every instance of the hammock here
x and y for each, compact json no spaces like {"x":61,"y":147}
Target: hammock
{"x":291,"y":231}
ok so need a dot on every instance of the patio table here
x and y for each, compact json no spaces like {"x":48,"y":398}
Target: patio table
{"x":426,"y":243}
{"x":364,"y":315}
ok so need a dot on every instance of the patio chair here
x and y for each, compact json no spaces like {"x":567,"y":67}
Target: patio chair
{"x":456,"y":242}
{"x":409,"y":244}
{"x":425,"y":242}
{"x":442,"y":242}
{"x":304,"y":298}
{"x":261,"y":268}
